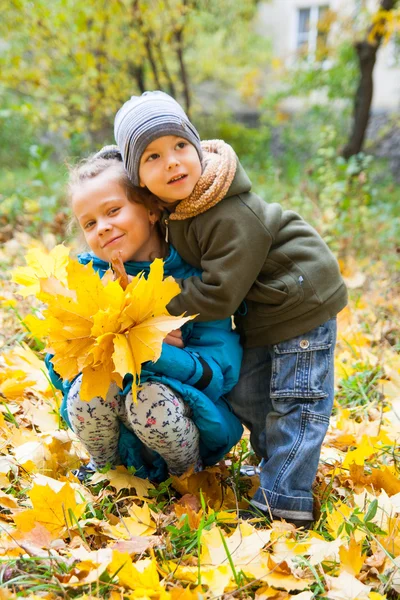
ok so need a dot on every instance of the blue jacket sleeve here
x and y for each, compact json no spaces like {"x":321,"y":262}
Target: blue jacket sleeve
{"x":54,"y":377}
{"x":61,"y":384}
{"x":210,"y":361}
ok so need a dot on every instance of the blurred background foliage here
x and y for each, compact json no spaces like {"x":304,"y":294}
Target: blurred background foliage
{"x":72,"y":64}
{"x":67,"y":66}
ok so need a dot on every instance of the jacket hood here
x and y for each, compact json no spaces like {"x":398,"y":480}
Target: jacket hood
{"x":241,"y":183}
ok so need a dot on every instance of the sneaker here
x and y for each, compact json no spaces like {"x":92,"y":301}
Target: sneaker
{"x":259,"y":518}
{"x":84,"y":473}
{"x":198,"y":466}
{"x":300,"y":524}
{"x":249,"y":470}
{"x":254,"y":513}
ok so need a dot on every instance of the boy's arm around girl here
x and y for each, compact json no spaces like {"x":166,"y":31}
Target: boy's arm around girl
{"x":270,"y":257}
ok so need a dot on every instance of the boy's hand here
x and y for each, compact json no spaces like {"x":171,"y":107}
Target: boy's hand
{"x":174,"y":338}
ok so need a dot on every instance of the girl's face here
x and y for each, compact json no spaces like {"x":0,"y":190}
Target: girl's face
{"x":111,"y":222}
{"x":170,"y":168}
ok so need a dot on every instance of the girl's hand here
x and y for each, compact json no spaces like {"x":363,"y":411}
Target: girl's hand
{"x":174,"y":338}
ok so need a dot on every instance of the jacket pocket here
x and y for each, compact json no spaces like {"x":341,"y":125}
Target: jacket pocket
{"x":276,"y":296}
{"x":300,"y":365}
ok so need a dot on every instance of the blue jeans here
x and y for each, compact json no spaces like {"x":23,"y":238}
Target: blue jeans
{"x":284,"y":397}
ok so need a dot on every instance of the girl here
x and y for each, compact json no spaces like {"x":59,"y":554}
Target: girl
{"x":181,"y":418}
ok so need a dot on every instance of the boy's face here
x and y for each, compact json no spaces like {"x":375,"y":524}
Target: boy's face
{"x":170,"y":168}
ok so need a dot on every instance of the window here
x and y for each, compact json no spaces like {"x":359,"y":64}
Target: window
{"x":312,"y":31}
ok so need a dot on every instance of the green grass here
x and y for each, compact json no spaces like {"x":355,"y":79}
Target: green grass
{"x":32,"y":196}
{"x":361,"y":222}
{"x":362,"y":388}
{"x":49,"y":575}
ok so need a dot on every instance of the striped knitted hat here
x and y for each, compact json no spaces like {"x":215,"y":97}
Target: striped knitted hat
{"x":145,"y":118}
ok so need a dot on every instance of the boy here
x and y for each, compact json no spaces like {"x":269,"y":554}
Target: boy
{"x":263,"y":264}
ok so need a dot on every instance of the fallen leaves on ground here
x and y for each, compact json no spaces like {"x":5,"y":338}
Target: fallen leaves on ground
{"x":119,"y":536}
{"x":119,"y":478}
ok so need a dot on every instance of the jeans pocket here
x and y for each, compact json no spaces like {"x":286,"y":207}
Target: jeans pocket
{"x":300,"y":365}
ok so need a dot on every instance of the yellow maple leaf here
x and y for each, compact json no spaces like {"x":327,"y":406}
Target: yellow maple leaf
{"x":43,"y":416}
{"x":320,"y":550}
{"x":243,"y":545}
{"x":35,"y":457}
{"x":344,"y":365}
{"x":41,"y":265}
{"x":346,"y":587}
{"x":244,"y":550}
{"x":142,"y":575}
{"x":9,"y":549}
{"x":178,"y":593}
{"x":290,"y":583}
{"x":96,"y":328}
{"x":193,"y":517}
{"x":337,"y":518}
{"x":391,"y":541}
{"x":386,"y":478}
{"x":286,"y":549}
{"x":37,"y":327}
{"x":51,"y":509}
{"x":8,"y":501}
{"x":8,"y":465}
{"x":92,"y":563}
{"x":22,"y":371}
{"x":351,"y":557}
{"x":216,"y":578}
{"x":120,"y":479}
{"x":209,"y":484}
{"x":4,"y":481}
{"x":139,"y":523}
{"x":129,"y":528}
{"x":364,"y":450}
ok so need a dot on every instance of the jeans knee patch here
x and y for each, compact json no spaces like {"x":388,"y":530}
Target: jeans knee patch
{"x":300,"y":365}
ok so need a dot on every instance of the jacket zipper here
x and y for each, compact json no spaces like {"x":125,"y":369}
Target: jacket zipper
{"x":166,"y":222}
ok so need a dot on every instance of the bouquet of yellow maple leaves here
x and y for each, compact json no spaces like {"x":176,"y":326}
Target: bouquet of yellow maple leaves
{"x":96,"y":326}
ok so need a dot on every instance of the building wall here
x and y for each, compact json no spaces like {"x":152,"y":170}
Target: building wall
{"x":278,"y":20}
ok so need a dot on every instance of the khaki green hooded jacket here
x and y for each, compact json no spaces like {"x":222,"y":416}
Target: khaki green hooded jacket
{"x":262,"y":263}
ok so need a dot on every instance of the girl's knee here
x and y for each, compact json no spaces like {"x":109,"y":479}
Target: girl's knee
{"x":156,"y":405}
{"x":153,"y":390}
{"x":111,"y":405}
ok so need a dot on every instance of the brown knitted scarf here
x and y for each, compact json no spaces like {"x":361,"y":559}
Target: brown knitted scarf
{"x":219,"y":168}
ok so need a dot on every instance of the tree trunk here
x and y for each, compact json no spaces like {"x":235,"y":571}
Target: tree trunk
{"x":182,"y":66}
{"x":363,"y":99}
{"x":147,"y":41}
{"x":137,"y":72}
{"x":171,"y":86}
{"x":366,"y":53}
{"x":152,"y":61}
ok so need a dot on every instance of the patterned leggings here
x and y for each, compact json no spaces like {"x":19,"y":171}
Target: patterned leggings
{"x":159,"y":418}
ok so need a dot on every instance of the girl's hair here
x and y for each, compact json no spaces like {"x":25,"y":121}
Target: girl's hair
{"x":107,"y":158}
